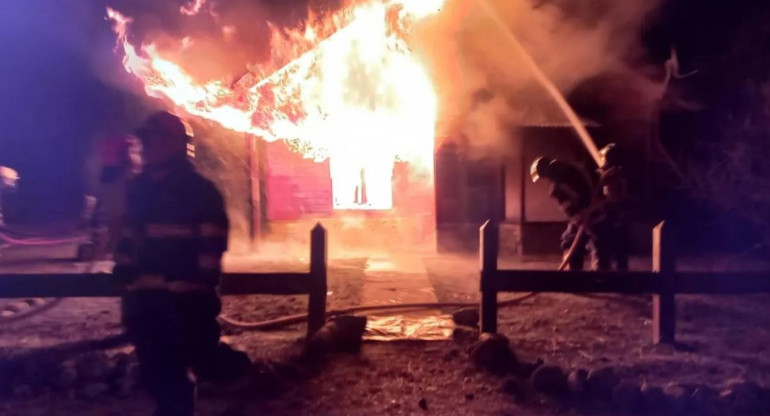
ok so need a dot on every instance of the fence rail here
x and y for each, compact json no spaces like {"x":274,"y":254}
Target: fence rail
{"x":663,"y":282}
{"x":312,"y":283}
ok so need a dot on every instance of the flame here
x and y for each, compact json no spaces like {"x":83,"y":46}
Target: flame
{"x":352,"y":91}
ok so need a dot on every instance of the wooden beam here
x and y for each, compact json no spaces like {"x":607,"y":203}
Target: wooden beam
{"x":105,"y":285}
{"x":549,"y":281}
{"x":317,"y":286}
{"x":58,"y":285}
{"x":265,"y":284}
{"x":663,"y":303}
{"x":721,"y":283}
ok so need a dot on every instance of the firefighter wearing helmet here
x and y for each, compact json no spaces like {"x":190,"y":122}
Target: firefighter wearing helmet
{"x":118,"y":163}
{"x":599,"y":213}
{"x":614,"y":227}
{"x":170,"y":260}
{"x":572,"y":189}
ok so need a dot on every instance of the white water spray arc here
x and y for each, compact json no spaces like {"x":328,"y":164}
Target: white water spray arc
{"x":546,"y":83}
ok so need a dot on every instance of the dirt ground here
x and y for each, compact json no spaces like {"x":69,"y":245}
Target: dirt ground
{"x":720,"y":338}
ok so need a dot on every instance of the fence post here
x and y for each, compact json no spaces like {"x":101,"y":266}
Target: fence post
{"x":663,"y":306}
{"x":317,"y":294}
{"x":488,"y":250}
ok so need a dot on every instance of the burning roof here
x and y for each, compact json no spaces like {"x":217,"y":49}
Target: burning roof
{"x":353,"y":91}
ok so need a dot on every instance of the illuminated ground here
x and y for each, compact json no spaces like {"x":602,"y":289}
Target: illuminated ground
{"x":723,"y":338}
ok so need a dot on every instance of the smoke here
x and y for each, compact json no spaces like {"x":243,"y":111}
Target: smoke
{"x":486,"y":88}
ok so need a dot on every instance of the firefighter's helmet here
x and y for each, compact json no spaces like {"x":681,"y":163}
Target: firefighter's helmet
{"x":609,"y":156}
{"x":539,"y":168}
{"x":166,"y":124}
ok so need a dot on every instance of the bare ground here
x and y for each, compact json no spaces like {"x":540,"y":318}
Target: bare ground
{"x":721,"y":338}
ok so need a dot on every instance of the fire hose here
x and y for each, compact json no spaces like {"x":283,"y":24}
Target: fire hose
{"x":295,"y":319}
{"x":47,"y":303}
{"x":38,"y":241}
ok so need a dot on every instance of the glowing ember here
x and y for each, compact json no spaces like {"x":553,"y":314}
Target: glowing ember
{"x":352,"y":92}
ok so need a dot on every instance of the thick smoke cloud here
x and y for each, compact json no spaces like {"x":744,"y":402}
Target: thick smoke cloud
{"x":485,"y":86}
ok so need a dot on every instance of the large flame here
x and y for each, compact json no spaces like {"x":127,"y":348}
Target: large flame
{"x":352,"y":91}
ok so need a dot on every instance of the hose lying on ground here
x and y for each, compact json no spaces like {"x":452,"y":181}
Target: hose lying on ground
{"x":40,"y":308}
{"x":299,"y":318}
{"x":38,"y":241}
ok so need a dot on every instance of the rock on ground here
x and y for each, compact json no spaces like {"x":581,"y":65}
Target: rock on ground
{"x":744,"y":397}
{"x":94,"y":391}
{"x":627,"y":396}
{"x":549,"y":379}
{"x":492,"y":353}
{"x":653,"y":398}
{"x":466,"y":317}
{"x":677,"y":397}
{"x":602,"y":381}
{"x":577,"y":381}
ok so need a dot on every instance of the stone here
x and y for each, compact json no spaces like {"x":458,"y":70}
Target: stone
{"x":469,"y":396}
{"x":466,"y":317}
{"x":38,"y":372}
{"x":743,"y":396}
{"x":22,"y":391}
{"x":549,"y":379}
{"x":17,"y":306}
{"x":36,"y":302}
{"x":94,"y":367}
{"x":351,"y":330}
{"x":125,"y":386}
{"x":516,"y":388}
{"x":120,"y":365}
{"x":67,"y":377}
{"x":526,"y":369}
{"x":627,"y":396}
{"x":602,"y":381}
{"x":464,"y":335}
{"x":577,"y":381}
{"x":133,"y":372}
{"x":423,"y":404}
{"x":451,"y":354}
{"x":491,"y":352}
{"x":342,"y":333}
{"x":6,"y":313}
{"x":677,"y":397}
{"x":653,"y":399}
{"x":94,"y":391}
{"x":8,"y":373}
{"x":704,"y":400}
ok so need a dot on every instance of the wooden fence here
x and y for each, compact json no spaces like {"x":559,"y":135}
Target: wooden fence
{"x":663,"y":282}
{"x":312,"y":283}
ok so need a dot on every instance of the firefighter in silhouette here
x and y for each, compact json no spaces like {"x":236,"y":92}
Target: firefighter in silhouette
{"x":572,"y":189}
{"x":613,"y":229}
{"x":170,"y":257}
{"x":9,"y":179}
{"x":119,"y":162}
{"x":599,"y":209}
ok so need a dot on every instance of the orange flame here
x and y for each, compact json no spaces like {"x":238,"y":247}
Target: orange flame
{"x":352,"y":91}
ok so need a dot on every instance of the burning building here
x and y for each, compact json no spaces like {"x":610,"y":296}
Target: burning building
{"x":346,"y":128}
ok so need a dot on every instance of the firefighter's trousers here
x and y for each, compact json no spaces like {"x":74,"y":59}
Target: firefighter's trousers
{"x":175,"y":334}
